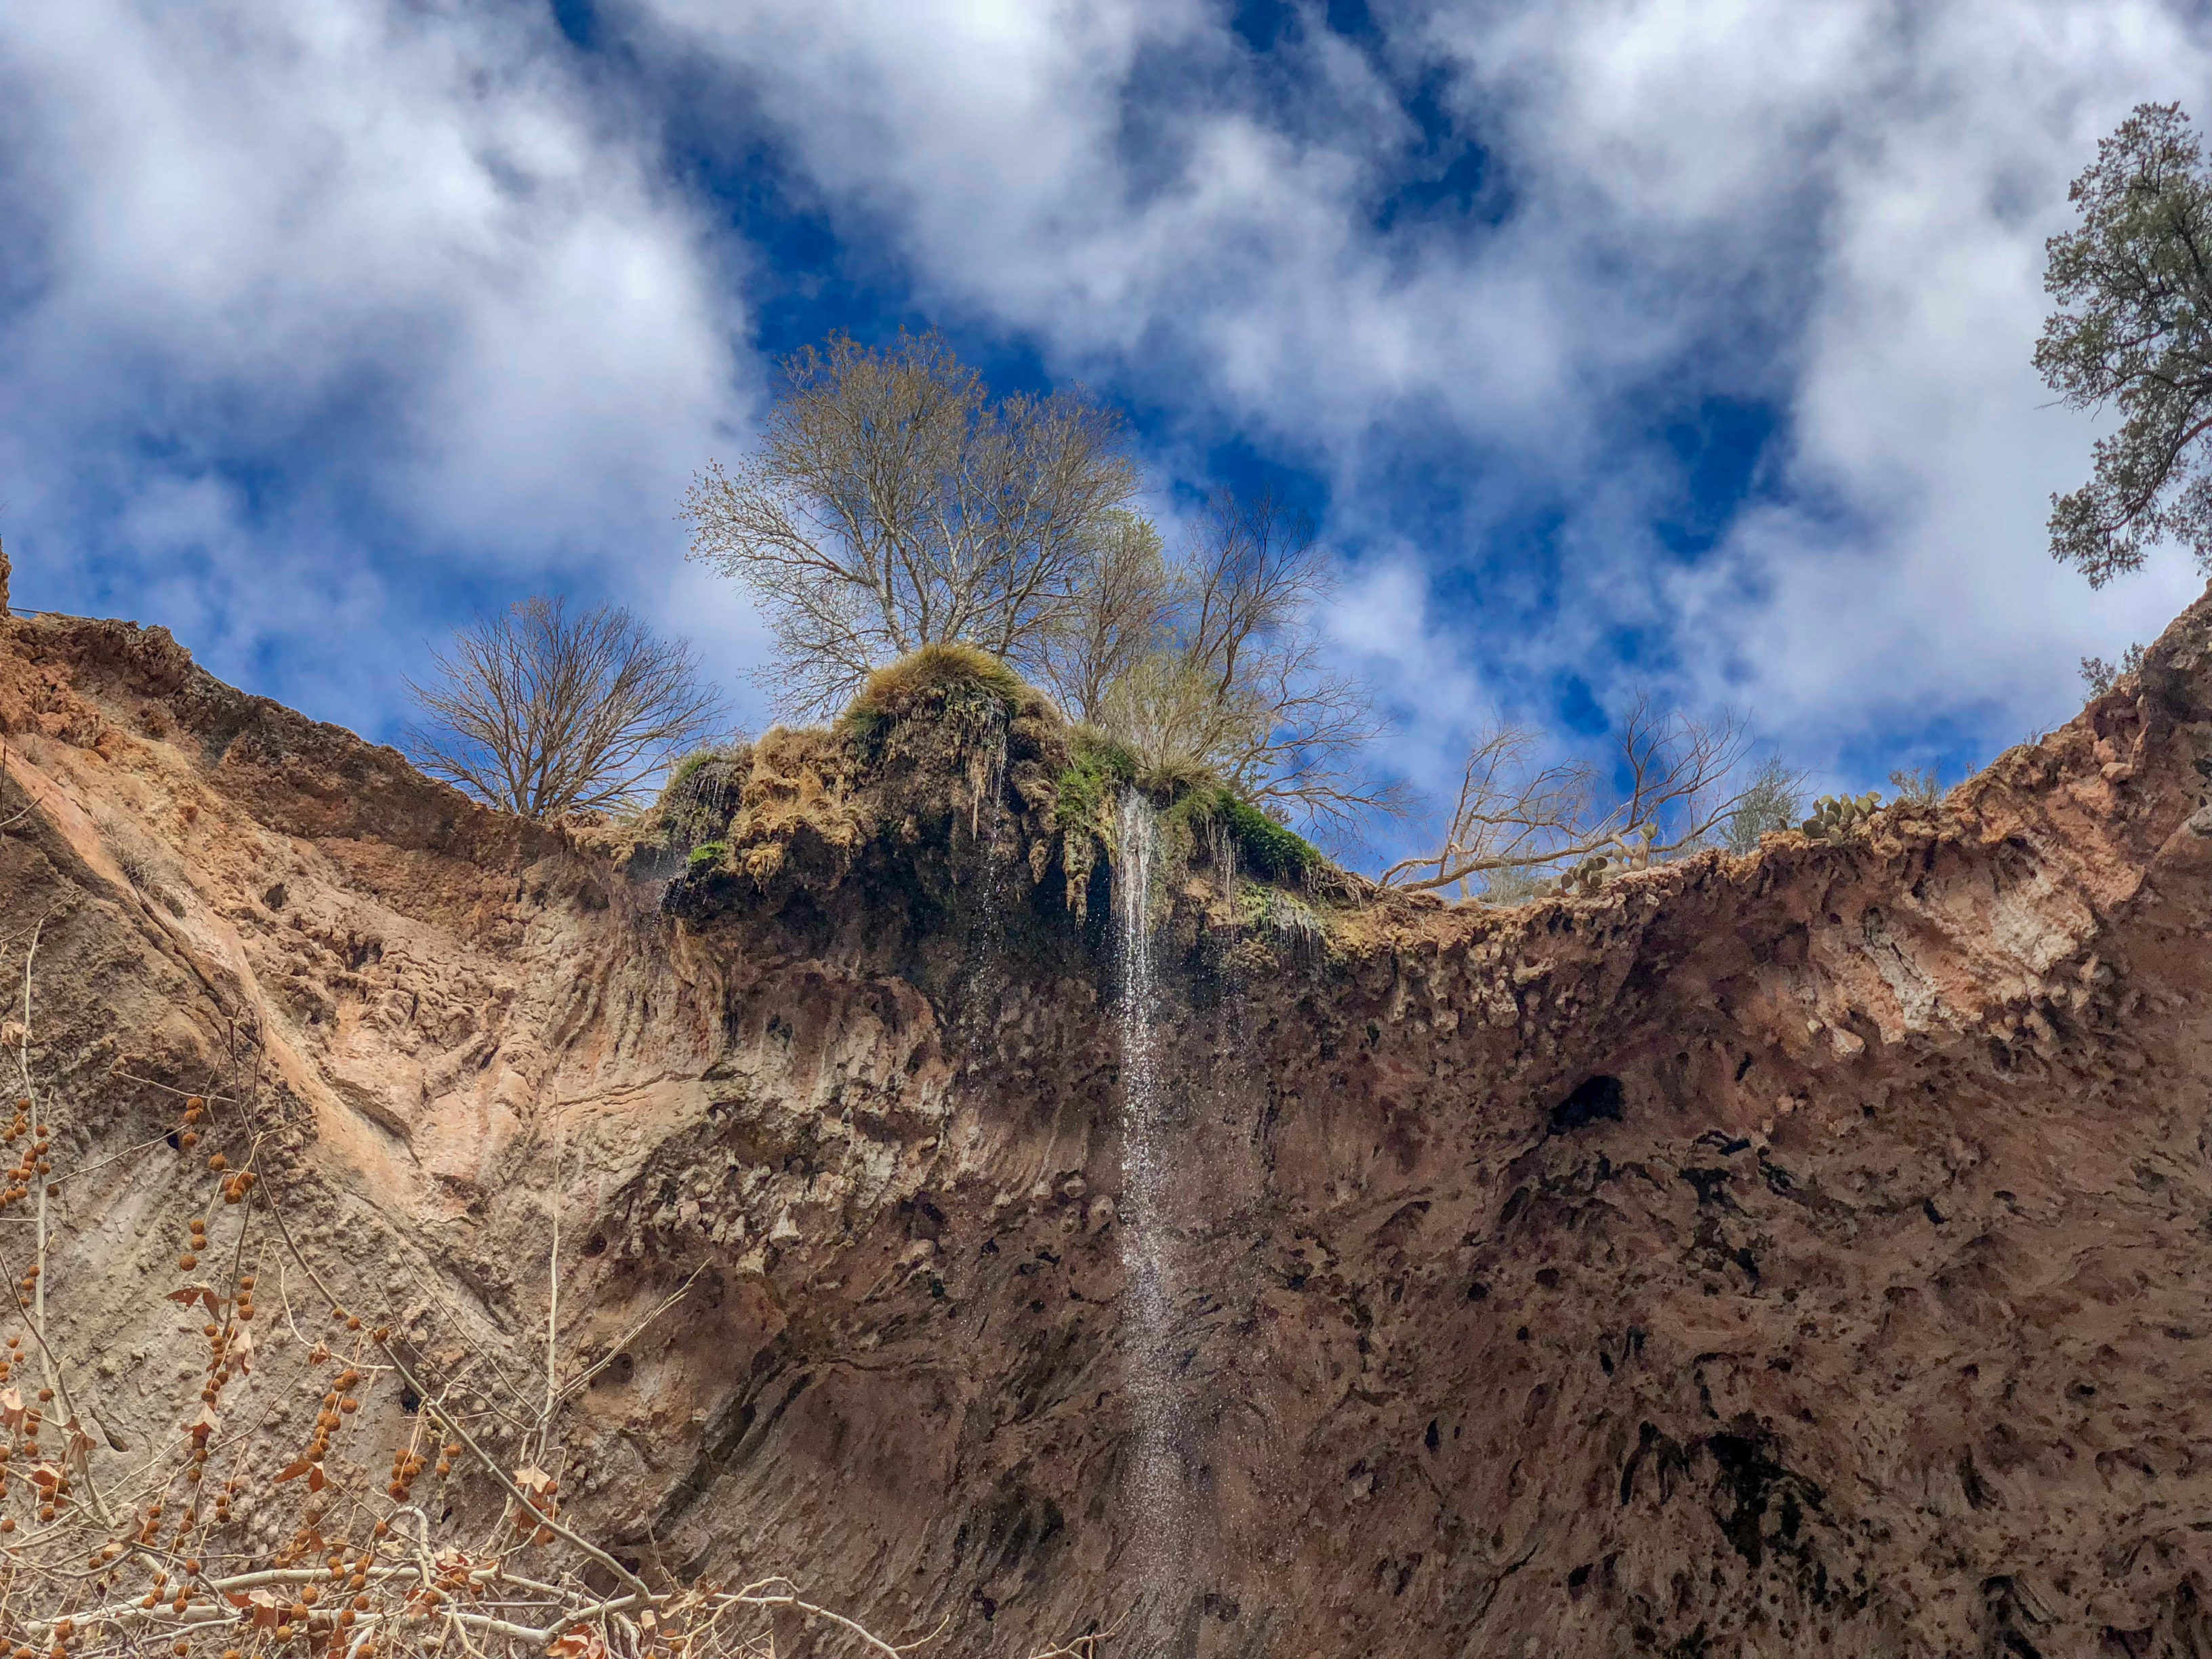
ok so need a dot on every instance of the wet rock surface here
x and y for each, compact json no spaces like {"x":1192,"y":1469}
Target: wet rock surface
{"x":1800,"y":1252}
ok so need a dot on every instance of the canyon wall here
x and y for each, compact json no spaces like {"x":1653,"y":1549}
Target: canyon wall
{"x":1805,"y":1251}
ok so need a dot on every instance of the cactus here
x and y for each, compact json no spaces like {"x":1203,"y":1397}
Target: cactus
{"x":1587,"y":876}
{"x":1838,"y":818}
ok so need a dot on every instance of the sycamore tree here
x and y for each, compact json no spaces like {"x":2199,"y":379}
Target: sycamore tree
{"x":892,"y":502}
{"x":2133,"y":330}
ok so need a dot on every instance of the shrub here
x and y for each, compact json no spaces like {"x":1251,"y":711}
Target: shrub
{"x":2099,"y":676}
{"x":706,"y":854}
{"x":1921,"y":788}
{"x":1770,"y":802}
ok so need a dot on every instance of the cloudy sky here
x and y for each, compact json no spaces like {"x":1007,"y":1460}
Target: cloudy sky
{"x":1616,"y":344}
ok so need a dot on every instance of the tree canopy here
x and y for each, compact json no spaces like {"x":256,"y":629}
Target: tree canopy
{"x":892,"y":503}
{"x":2134,"y":283}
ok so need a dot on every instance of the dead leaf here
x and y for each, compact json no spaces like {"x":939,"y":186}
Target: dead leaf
{"x":295,"y":1469}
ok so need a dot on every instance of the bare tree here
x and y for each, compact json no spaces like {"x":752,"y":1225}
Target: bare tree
{"x":1514,"y":815}
{"x":1236,"y":685}
{"x":891,"y":504}
{"x":540,"y":713}
{"x":1771,"y":800}
{"x":1128,"y":596}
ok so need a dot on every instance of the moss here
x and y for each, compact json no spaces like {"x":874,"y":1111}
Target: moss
{"x":686,"y":768}
{"x":866,"y":725}
{"x":700,"y":796}
{"x":1269,"y":850}
{"x":706,"y":854}
{"x":1100,"y":769}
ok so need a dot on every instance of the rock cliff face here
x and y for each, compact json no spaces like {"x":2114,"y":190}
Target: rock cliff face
{"x":1807,"y":1251}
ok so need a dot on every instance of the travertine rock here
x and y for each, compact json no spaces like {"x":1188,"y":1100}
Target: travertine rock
{"x":1800,"y":1252}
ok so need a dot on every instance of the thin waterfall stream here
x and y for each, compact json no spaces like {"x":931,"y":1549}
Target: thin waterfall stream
{"x":1158,"y":1495}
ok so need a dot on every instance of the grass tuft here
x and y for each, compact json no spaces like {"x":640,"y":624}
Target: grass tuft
{"x":944,"y":673}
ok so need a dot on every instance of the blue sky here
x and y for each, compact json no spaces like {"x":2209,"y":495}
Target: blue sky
{"x":1640,"y":343}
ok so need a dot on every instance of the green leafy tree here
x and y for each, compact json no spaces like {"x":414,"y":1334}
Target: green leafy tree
{"x":2134,"y":329}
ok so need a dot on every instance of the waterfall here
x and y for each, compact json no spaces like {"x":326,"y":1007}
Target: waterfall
{"x":1159,"y":1515}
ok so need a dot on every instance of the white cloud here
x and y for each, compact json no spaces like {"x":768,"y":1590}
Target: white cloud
{"x":320,"y":308}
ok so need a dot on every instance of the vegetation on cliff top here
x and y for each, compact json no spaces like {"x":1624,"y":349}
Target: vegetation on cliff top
{"x":893,"y":507}
{"x":948,"y":751}
{"x":912,"y":540}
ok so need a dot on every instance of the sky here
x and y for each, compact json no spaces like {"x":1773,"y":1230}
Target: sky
{"x":1617,"y":345}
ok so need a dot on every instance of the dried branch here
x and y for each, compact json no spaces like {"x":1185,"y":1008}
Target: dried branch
{"x":1236,"y":687}
{"x":1674,"y":789}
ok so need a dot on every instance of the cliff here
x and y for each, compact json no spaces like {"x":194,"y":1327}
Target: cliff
{"x":1764,"y":1255}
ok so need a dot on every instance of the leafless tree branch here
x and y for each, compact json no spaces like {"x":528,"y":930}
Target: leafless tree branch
{"x":1236,"y":685}
{"x":1674,"y":784}
{"x":540,"y":713}
{"x":892,"y":504}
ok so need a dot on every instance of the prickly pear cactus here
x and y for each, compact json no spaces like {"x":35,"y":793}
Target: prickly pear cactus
{"x":1838,"y":818}
{"x":1586,"y":878}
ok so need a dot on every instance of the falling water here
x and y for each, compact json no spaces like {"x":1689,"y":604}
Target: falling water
{"x":1159,"y":1518}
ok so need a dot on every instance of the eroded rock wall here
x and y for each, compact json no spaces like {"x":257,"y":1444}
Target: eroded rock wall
{"x":1800,"y":1252}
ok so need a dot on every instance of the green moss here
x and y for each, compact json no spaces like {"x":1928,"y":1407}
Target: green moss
{"x":863,"y":725}
{"x":706,"y":854}
{"x":1100,"y":768}
{"x":1267,"y":848}
{"x":1273,"y":850}
{"x":688,"y":767}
